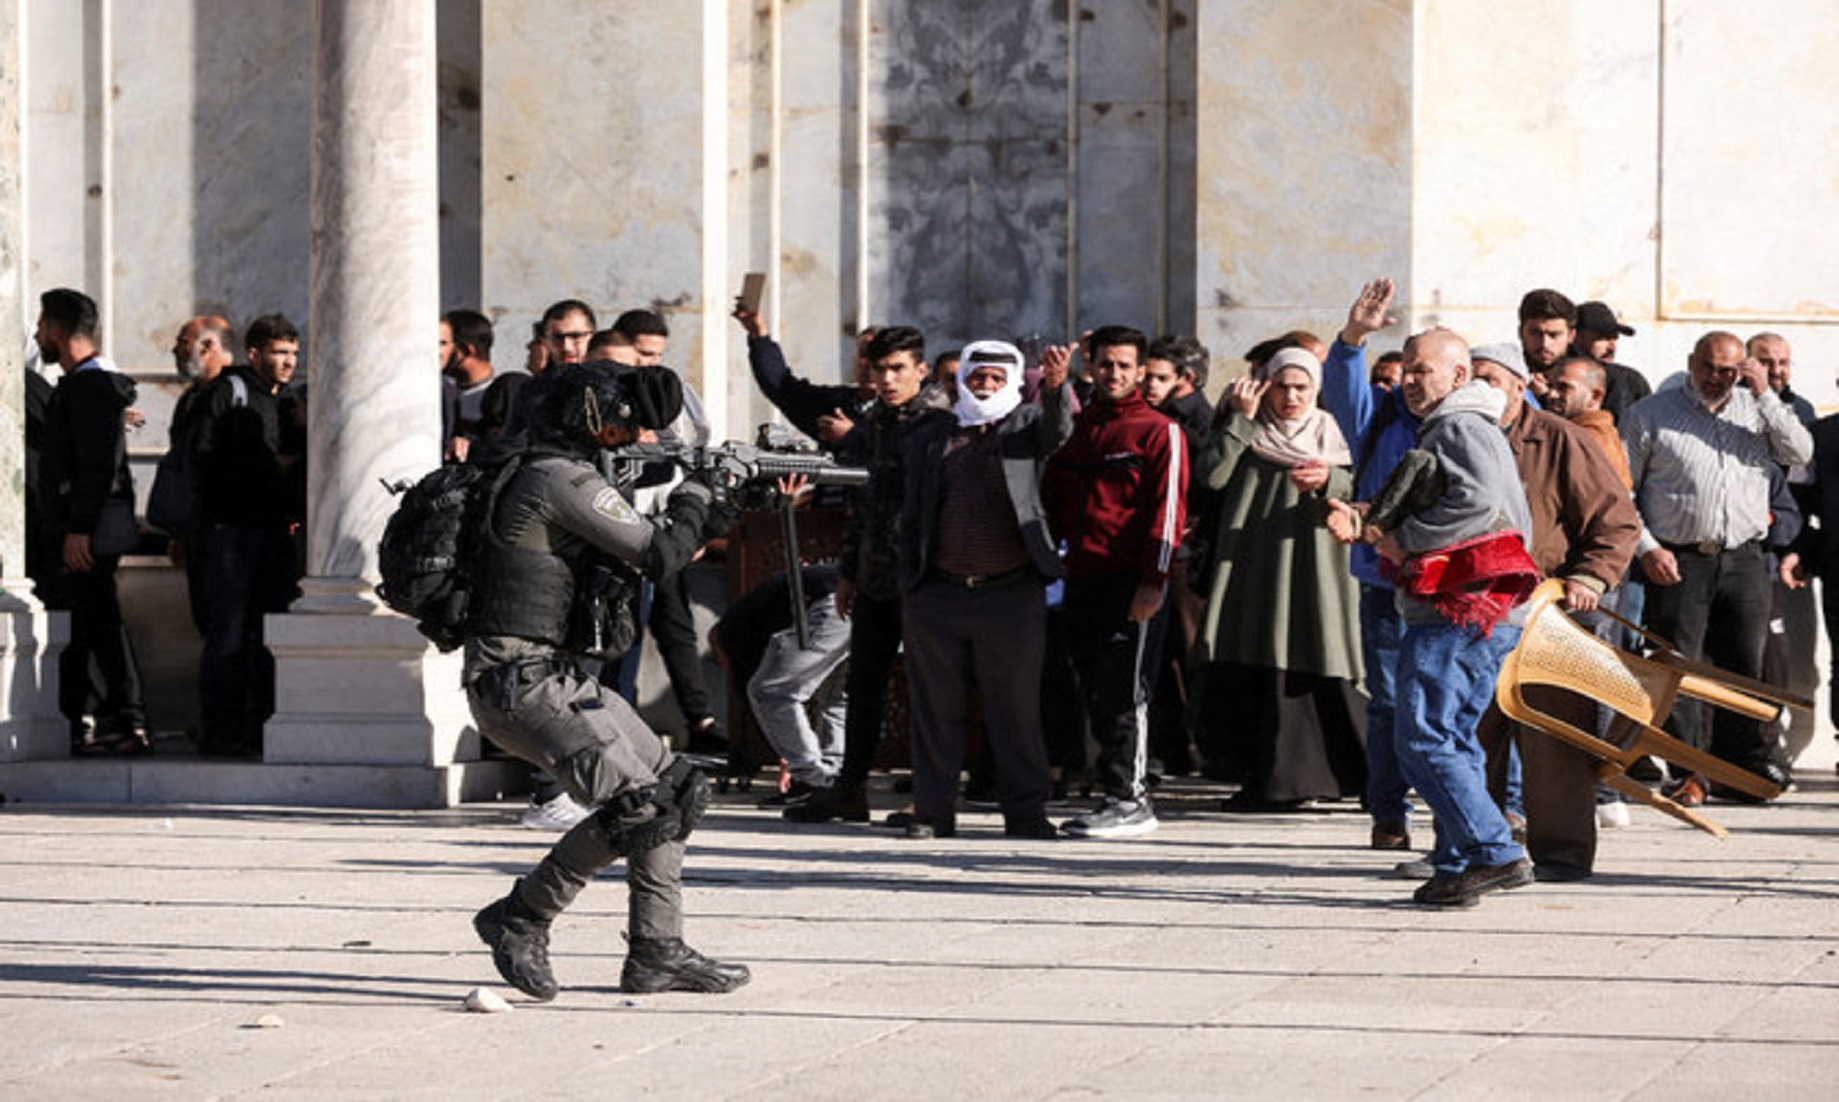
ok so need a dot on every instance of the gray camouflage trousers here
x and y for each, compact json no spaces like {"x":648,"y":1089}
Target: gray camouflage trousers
{"x":591,"y":740}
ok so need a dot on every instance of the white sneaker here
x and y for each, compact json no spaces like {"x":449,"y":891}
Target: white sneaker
{"x":1114,"y":819}
{"x":557,"y":815}
{"x":1612,"y":815}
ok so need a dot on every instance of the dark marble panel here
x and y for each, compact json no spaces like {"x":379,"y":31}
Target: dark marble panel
{"x":963,"y":68}
{"x":1120,"y":216}
{"x":971,"y":239}
{"x":1120,"y":50}
{"x":1017,"y":263}
{"x":919,"y":230}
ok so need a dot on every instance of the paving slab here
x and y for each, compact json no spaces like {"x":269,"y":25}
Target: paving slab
{"x":223,"y":952}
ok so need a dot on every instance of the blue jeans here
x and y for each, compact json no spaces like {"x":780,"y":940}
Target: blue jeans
{"x":1446,"y":679}
{"x":1380,"y":627}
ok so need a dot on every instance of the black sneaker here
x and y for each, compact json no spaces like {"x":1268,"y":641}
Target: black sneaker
{"x":520,"y":946}
{"x":667,"y":964}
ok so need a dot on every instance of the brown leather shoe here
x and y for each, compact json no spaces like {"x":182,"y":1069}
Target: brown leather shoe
{"x":1687,"y":793}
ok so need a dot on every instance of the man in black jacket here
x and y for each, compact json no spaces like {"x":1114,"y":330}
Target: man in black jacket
{"x":868,"y":586}
{"x":90,"y":496}
{"x":247,"y":512}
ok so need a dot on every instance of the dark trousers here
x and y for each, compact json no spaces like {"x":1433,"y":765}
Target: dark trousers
{"x":1558,"y":781}
{"x":1062,"y":714}
{"x":98,"y":636}
{"x":1181,"y":614}
{"x":674,"y":629}
{"x":248,"y":573}
{"x":1717,"y":612}
{"x":993,"y":639}
{"x":874,"y":641}
{"x":1110,"y":650}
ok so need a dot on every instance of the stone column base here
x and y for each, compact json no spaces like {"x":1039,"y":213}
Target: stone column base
{"x":364,"y":690}
{"x":31,"y":639}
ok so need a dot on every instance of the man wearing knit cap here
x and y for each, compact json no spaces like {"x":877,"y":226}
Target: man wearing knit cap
{"x":1584,"y":528}
{"x":1459,"y":620}
{"x":976,"y":555}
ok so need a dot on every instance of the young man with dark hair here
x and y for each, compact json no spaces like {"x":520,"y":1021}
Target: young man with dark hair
{"x":466,"y":341}
{"x":246,"y":517}
{"x":1174,"y":377}
{"x":567,"y":327}
{"x":647,"y":331}
{"x":868,"y":582}
{"x":1548,"y":324}
{"x":85,"y":476}
{"x":1116,"y":493}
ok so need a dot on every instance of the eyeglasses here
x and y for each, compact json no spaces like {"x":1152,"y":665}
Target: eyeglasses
{"x":583,"y":335}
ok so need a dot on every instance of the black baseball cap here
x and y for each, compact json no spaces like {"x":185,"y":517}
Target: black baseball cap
{"x":1599,"y":318}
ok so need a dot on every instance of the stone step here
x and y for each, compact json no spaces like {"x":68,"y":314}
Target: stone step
{"x":188,"y":779}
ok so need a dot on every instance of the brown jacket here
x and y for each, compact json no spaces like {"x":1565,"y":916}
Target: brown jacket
{"x":1584,"y":523}
{"x":1601,"y":425}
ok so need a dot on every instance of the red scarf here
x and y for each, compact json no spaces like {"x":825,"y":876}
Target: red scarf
{"x":1474,"y":583}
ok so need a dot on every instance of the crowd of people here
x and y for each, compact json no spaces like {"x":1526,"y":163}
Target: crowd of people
{"x":1078,"y":545}
{"x":1069,"y":551}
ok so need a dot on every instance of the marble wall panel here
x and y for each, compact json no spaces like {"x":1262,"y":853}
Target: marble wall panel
{"x":1122,"y":217}
{"x":460,"y":84}
{"x":1016,"y":260}
{"x":1539,"y":174}
{"x":1121,"y":47}
{"x":1751,"y":161}
{"x":919,"y":235}
{"x":812,"y":283}
{"x":1303,"y":160}
{"x":592,"y":123}
{"x":967,"y":168}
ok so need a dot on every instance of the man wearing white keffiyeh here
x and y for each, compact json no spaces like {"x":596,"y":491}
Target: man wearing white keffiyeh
{"x":976,"y":555}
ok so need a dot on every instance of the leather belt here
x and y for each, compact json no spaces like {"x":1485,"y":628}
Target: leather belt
{"x":1706,"y":547}
{"x":984,"y":581}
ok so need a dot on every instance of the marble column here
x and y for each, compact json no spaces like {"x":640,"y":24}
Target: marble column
{"x":30,"y":637}
{"x":357,"y":685}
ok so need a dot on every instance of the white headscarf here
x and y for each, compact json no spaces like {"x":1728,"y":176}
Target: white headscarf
{"x":1313,"y":437}
{"x":973,"y":410}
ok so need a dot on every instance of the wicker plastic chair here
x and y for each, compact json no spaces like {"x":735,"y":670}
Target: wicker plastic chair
{"x":1556,"y":651}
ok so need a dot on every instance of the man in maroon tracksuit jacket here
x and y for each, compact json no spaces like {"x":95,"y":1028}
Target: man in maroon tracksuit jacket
{"x":1116,"y":494}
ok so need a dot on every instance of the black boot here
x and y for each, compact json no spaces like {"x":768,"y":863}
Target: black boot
{"x":520,"y":945}
{"x":667,"y":964}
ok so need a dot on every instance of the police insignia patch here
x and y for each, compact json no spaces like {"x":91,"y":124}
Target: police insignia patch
{"x":608,"y":503}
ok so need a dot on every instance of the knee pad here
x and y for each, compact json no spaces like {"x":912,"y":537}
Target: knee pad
{"x":688,"y":789}
{"x":635,"y":821}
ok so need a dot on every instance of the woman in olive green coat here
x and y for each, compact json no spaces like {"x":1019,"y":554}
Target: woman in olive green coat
{"x":1278,"y":655}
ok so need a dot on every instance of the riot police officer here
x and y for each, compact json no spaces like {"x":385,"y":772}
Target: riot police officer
{"x":557,"y":544}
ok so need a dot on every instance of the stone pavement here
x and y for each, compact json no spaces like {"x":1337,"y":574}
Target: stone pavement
{"x":1261,"y":956}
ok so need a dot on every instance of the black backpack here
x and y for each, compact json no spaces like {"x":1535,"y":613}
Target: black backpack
{"x":428,"y":545}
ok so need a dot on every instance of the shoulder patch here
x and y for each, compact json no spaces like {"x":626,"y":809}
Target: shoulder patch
{"x":611,"y":504}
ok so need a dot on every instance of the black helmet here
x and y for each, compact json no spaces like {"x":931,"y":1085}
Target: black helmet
{"x":578,"y":402}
